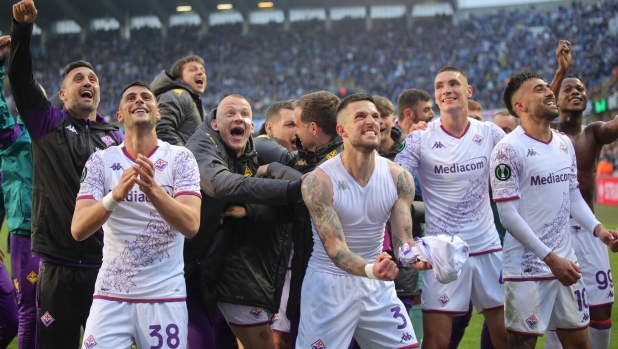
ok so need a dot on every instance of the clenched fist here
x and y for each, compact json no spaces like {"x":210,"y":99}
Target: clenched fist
{"x":24,"y":12}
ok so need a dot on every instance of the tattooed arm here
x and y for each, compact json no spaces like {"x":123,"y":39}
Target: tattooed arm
{"x":401,"y":217}
{"x":317,"y":192}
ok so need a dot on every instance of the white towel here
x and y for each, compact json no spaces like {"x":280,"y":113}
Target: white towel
{"x":447,"y":254}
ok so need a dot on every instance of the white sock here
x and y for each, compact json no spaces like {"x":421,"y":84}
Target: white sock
{"x":552,"y":341}
{"x":600,"y":338}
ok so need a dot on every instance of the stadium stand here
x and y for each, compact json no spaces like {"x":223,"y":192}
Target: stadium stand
{"x":271,"y":63}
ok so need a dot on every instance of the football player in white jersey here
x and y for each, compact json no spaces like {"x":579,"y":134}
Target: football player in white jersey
{"x":146,"y":193}
{"x":350,"y":198}
{"x":451,"y":159}
{"x":534,"y":182}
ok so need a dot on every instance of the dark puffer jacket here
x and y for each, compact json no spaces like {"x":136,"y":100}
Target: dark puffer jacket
{"x":181,"y":109}
{"x":240,"y":261}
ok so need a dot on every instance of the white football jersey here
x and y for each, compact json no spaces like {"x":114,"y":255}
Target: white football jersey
{"x":453,"y":174}
{"x":362,"y":211}
{"x":142,"y":253}
{"x":540,"y":176}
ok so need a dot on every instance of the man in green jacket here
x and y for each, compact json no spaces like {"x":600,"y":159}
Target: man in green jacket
{"x":16,"y":158}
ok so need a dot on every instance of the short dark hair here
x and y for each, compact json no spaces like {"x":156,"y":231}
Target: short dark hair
{"x":70,"y":67}
{"x":408,"y":99}
{"x":474,"y":105}
{"x":384,"y":106}
{"x":134,"y":83}
{"x":513,"y":85}
{"x":272,"y":114}
{"x":355,"y":97}
{"x":320,"y":107}
{"x":176,"y":70}
{"x":449,"y":68}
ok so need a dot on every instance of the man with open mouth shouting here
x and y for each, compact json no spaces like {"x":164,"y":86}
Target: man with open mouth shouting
{"x":178,"y":93}
{"x":236,"y":255}
{"x":62,"y":141}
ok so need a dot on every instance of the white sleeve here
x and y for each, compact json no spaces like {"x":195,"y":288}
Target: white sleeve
{"x":516,"y":226}
{"x":92,"y":182}
{"x":504,"y":171}
{"x":410,"y":157}
{"x":186,"y":174}
{"x":581,"y":212}
{"x":496,"y":133}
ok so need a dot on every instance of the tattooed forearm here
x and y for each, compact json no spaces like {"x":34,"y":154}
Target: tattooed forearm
{"x":317,"y":197}
{"x":521,"y":342}
{"x":350,"y":262}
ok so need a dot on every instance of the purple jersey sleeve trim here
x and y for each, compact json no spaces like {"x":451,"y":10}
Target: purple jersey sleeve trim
{"x":9,"y":135}
{"x":42,"y":122}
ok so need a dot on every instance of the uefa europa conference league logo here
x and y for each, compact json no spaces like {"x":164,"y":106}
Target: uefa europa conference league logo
{"x":503,"y":172}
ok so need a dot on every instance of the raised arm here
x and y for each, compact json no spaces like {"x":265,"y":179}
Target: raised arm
{"x":564,"y":58}
{"x":318,"y":196}
{"x":36,"y":111}
{"x":608,"y":132}
{"x":8,"y":129}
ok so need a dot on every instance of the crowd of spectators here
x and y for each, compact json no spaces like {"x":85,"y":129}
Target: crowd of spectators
{"x":271,"y":63}
{"x":608,"y":164}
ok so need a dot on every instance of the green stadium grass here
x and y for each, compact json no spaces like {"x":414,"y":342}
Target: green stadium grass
{"x":608,"y":215}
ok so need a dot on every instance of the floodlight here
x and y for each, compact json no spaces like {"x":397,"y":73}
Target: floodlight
{"x":225,"y":6}
{"x":266,"y":4}
{"x":184,"y":8}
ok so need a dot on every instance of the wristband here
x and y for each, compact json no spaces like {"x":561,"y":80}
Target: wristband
{"x":369,"y":271}
{"x":109,"y":203}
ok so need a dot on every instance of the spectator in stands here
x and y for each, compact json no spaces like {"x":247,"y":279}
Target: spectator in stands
{"x":605,"y":168}
{"x":178,"y":94}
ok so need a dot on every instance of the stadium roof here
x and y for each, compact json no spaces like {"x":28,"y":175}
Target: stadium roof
{"x":83,"y":11}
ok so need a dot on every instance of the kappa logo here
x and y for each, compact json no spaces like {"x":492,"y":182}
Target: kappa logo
{"x":576,"y":228}
{"x":16,"y":283}
{"x":71,"y":128}
{"x":116,"y":167}
{"x":532,"y":152}
{"x":160,"y":164}
{"x":405,"y":337}
{"x":611,"y":294}
{"x":301,"y":162}
{"x":342,"y":185}
{"x":32,"y":277}
{"x":107,"y":140}
{"x":90,"y":342}
{"x":318,"y":345}
{"x":477,"y":139}
{"x":563,"y":147}
{"x":586,"y":317}
{"x":532,"y":321}
{"x":438,"y":145}
{"x":444,"y":299}
{"x":256,"y":312}
{"x":47,"y":319}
